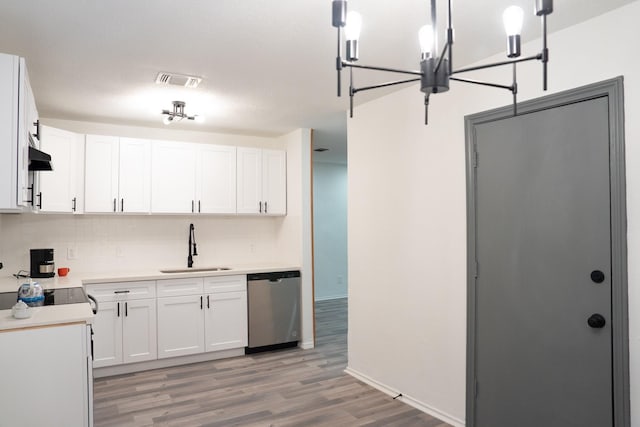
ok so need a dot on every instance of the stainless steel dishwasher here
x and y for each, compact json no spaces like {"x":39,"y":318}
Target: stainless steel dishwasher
{"x":274,"y":310}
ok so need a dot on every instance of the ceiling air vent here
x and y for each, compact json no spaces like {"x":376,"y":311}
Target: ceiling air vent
{"x":177,"y":80}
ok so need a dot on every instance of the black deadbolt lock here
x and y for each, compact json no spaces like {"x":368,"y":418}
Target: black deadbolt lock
{"x":597,"y":276}
{"x":596,"y":321}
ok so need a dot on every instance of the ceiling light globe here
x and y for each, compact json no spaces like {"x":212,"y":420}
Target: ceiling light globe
{"x":353,"y":27}
{"x":512,"y":19}
{"x":167,"y":119}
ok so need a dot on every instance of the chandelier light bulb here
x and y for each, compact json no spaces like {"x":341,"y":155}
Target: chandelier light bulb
{"x":512,"y":18}
{"x":425,"y":36}
{"x":167,"y":119}
{"x":353,"y":27}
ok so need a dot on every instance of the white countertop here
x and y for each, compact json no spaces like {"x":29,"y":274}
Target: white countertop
{"x":72,"y":313}
{"x":107,"y":277}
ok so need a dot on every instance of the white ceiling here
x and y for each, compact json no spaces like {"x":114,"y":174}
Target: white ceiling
{"x":268,"y":65}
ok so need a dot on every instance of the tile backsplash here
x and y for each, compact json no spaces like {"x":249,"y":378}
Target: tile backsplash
{"x":118,"y":243}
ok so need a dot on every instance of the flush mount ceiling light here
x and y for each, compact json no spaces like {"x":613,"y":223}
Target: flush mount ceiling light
{"x":177,"y":114}
{"x":436,"y":71}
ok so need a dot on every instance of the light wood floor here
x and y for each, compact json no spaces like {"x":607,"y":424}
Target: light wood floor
{"x":283,"y":388}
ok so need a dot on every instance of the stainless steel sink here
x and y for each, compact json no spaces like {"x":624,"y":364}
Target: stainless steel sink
{"x":196,"y":270}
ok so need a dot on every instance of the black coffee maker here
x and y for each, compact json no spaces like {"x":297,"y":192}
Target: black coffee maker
{"x":42,"y":264}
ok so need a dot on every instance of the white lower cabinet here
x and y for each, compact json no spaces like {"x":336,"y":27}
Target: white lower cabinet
{"x":226,"y":312}
{"x":209,"y":314}
{"x":149,"y":320}
{"x":125,"y":326}
{"x":46,"y":376}
{"x":180,"y":326}
{"x":226,"y":321}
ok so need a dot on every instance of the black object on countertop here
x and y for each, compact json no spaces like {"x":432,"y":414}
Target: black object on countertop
{"x":51,"y":297}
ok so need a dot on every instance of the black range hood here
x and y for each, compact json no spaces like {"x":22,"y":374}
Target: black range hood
{"x":38,"y":160}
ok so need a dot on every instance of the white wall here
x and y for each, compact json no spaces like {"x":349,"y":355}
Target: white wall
{"x":407,"y":226}
{"x":294,"y":233}
{"x":330,"y":230}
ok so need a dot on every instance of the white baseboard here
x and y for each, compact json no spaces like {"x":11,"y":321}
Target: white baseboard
{"x":129,"y":368}
{"x":330,"y":297}
{"x":454,"y":421}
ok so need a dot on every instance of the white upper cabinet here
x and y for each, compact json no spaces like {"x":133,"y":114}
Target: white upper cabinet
{"x":134,"y":184}
{"x":274,"y":182}
{"x":61,"y":189}
{"x":14,"y":128}
{"x":193,"y":178}
{"x":173,"y":176}
{"x":216,"y":179}
{"x":262,"y":181}
{"x":101,"y":173}
{"x":117,"y":174}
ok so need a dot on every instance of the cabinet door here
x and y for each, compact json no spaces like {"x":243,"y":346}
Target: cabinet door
{"x":274,"y":182}
{"x":58,"y":187}
{"x":173,"y":177}
{"x":28,"y":114}
{"x":139,"y":335}
{"x":249,"y":180}
{"x":216,"y":179}
{"x":226,"y":321}
{"x":107,"y":339}
{"x":45,"y":377}
{"x":134,"y":182}
{"x":101,"y":173}
{"x":180,"y":326}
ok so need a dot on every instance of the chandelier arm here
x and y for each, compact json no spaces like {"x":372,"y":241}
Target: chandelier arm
{"x":450,"y":38}
{"x":351,"y":92}
{"x":442,"y":56}
{"x":426,"y":109}
{"x":514,"y":91}
{"x":339,"y":64}
{"x":390,"y":70}
{"x":478,"y":82}
{"x":545,"y":52}
{"x":538,"y":57}
{"x":398,"y":82}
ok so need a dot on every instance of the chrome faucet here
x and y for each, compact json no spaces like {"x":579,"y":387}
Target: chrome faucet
{"x":192,"y":245}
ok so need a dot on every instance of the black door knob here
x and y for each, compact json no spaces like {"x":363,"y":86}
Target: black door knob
{"x":596,"y":321}
{"x":597,"y":276}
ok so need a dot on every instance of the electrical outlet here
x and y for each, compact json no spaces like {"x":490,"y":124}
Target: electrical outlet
{"x":72,"y":252}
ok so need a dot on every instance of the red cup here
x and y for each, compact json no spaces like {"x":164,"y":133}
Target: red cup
{"x":63,"y":271}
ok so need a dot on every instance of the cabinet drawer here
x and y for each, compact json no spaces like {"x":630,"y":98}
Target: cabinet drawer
{"x":176,"y":287}
{"x":217,"y":284}
{"x":121,"y":291}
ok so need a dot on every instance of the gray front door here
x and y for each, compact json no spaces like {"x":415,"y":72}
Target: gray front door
{"x":543,"y":337}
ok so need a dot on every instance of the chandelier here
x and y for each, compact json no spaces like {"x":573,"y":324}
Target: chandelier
{"x":436,"y":71}
{"x":177,"y":114}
